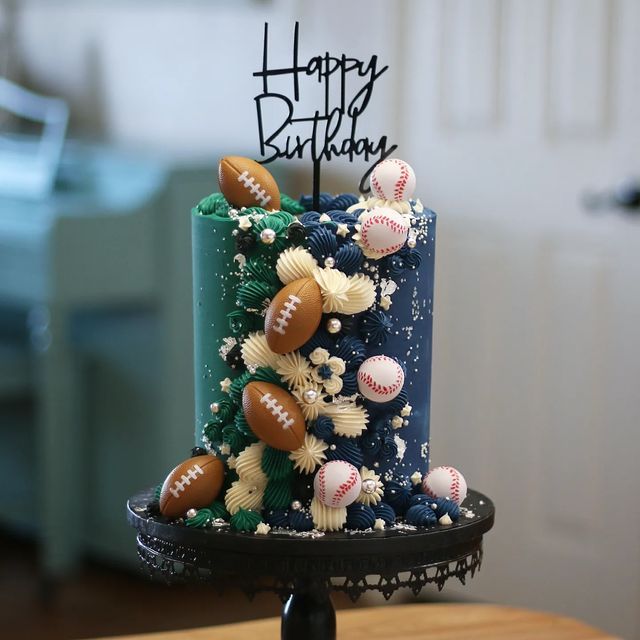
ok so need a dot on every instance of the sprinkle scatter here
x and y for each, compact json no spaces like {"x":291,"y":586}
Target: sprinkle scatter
{"x":355,"y":367}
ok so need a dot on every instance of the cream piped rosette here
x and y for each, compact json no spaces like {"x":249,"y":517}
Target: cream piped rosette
{"x":327,"y":518}
{"x":295,"y":263}
{"x":256,"y":351}
{"x":294,"y":369}
{"x":310,"y":455}
{"x":344,"y":294}
{"x":349,"y":419}
{"x":370,"y":497}
{"x":243,"y":495}
{"x":401,"y":206}
{"x":248,"y":465}
{"x":311,"y":409}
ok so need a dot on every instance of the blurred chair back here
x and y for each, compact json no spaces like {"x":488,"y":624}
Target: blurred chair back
{"x":29,"y":163}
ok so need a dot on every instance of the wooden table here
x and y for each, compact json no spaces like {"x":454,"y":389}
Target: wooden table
{"x":413,"y":622}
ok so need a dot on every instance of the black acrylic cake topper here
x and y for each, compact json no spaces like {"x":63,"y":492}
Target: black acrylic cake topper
{"x":323,"y":140}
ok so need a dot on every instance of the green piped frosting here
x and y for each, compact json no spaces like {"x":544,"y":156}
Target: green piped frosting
{"x":225,"y":411}
{"x":236,"y":441}
{"x":242,"y":425}
{"x":242,"y":322}
{"x":253,"y":295}
{"x":214,"y":204}
{"x":290,"y":205}
{"x":245,"y":520}
{"x":276,"y":464}
{"x":157,"y":491}
{"x":238,"y":384}
{"x":213,"y":431}
{"x":200,"y":520}
{"x":277,"y":494}
{"x":266,"y":374}
{"x":218,"y":510}
{"x":257,"y":269}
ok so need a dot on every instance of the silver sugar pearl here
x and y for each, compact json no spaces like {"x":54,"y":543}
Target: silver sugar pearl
{"x":192,"y":513}
{"x":296,"y":505}
{"x":310,"y":396}
{"x":334,"y":325}
{"x":411,"y":243}
{"x":329,"y":262}
{"x":369,"y":486}
{"x":333,"y":447}
{"x":215,"y":407}
{"x":267,"y":236}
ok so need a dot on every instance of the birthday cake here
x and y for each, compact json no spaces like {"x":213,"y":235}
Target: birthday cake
{"x":313,"y":326}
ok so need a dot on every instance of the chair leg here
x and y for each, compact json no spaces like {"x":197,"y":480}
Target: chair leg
{"x":60,"y":442}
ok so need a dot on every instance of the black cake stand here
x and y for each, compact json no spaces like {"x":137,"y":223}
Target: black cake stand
{"x":304,"y":570}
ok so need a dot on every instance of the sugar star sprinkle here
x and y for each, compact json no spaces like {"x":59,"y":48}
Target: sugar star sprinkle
{"x":244,"y":222}
{"x":406,"y":410}
{"x":225,"y":385}
{"x":343,"y":230}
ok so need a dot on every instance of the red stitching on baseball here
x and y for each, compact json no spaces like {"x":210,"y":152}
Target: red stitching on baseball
{"x":401,"y":183}
{"x":367,"y":378}
{"x":345,"y":487}
{"x":394,"y":226}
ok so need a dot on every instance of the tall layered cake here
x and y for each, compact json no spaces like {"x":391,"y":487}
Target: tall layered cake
{"x":312,"y":361}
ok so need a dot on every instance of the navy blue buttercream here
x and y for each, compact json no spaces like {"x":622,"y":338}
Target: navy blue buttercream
{"x":360,"y":516}
{"x":344,"y":201}
{"x":446,"y":506}
{"x":421,"y":515}
{"x":300,"y":520}
{"x":385,"y":512}
{"x":398,"y":495}
{"x":349,"y":258}
{"x":322,"y":244}
{"x":277,"y":518}
{"x":323,"y":428}
{"x":347,"y":449}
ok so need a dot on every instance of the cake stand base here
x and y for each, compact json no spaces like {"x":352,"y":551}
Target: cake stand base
{"x":304,"y":568}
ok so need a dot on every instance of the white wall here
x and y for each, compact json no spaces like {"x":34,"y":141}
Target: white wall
{"x":177,"y":76}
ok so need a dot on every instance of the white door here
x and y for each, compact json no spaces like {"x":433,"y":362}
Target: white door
{"x":513,"y":109}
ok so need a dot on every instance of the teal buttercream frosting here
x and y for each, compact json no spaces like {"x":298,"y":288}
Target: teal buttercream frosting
{"x":157,"y":491}
{"x":245,"y":520}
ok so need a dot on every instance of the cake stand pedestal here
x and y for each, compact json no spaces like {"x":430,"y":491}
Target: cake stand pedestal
{"x":303,"y":570}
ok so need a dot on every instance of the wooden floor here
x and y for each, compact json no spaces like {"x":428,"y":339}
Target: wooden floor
{"x":101,"y":601}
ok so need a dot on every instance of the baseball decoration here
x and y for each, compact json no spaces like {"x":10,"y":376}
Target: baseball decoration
{"x":383,"y":231}
{"x":293,"y":315}
{"x":245,"y":183}
{"x":380,"y":378}
{"x":393,"y":179}
{"x":273,"y":415}
{"x":337,"y":484}
{"x":193,"y":484}
{"x":445,"y":482}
